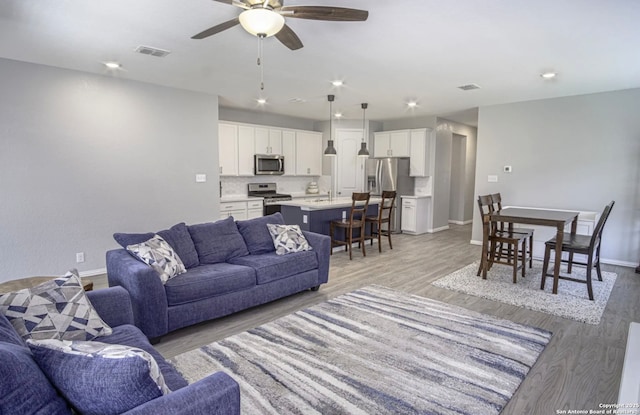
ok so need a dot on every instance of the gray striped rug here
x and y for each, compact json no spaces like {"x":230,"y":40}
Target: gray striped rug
{"x":374,"y":351}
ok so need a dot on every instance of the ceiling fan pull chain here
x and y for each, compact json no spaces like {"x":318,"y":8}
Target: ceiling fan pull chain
{"x":260,"y":63}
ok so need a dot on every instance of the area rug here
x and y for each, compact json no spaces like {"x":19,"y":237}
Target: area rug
{"x":374,"y":351}
{"x":571,"y":302}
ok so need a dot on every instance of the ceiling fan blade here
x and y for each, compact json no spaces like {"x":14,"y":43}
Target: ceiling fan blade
{"x":216,"y":29}
{"x":339,"y":14}
{"x":289,"y":38}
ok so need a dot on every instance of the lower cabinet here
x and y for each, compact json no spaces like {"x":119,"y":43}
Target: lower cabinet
{"x":415,"y":215}
{"x":241,"y":210}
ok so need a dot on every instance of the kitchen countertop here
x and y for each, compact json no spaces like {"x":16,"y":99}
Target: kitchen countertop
{"x":238,"y":198}
{"x":324,"y":203}
{"x":415,"y":196}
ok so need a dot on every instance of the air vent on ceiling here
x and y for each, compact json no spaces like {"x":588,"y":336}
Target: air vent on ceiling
{"x":148,"y":50}
{"x":297,"y":100}
{"x":469,"y":87}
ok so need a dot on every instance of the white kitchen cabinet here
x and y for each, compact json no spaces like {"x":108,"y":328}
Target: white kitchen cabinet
{"x":415,"y":214}
{"x":245,"y":150}
{"x":289,"y":152}
{"x":268,"y":141}
{"x":254,"y":209}
{"x":236,"y":209}
{"x":308,"y":153}
{"x":391,"y":143}
{"x":228,"y":149}
{"x":420,"y":152}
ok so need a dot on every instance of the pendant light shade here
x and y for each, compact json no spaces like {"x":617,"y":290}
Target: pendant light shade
{"x":363,"y":146}
{"x":261,"y":22}
{"x":330,"y":150}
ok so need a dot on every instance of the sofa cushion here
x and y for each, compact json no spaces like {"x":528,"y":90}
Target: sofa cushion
{"x":55,"y":309}
{"x":125,"y":239}
{"x":256,"y":235}
{"x":270,"y":267}
{"x":130,"y":335}
{"x":24,"y":389}
{"x":288,"y":239}
{"x":217,"y":241}
{"x":208,"y":281}
{"x":160,"y":256}
{"x":99,"y":378}
{"x":179,"y":238}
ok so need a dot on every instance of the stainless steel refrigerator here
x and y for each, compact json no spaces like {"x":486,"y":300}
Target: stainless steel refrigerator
{"x":390,"y":173}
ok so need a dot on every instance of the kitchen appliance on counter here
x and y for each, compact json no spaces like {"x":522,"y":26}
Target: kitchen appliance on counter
{"x":269,"y":164}
{"x":390,"y":173}
{"x":312,"y":188}
{"x":271,"y":198}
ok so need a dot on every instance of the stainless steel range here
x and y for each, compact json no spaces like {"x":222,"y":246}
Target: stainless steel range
{"x":272,"y":198}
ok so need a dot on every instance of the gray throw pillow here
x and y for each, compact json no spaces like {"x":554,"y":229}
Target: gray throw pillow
{"x":158,"y":254}
{"x":288,"y":239}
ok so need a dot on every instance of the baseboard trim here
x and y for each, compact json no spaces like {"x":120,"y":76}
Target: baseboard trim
{"x":461,"y":222}
{"x":440,"y":229}
{"x":474,"y":242}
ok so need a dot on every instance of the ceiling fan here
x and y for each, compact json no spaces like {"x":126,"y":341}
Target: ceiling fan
{"x":264,"y":18}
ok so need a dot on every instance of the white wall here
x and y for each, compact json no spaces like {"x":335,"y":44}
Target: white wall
{"x":83,"y":156}
{"x":576,"y":152}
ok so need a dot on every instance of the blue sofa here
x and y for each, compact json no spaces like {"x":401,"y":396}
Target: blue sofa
{"x":24,"y":389}
{"x":230,"y":266}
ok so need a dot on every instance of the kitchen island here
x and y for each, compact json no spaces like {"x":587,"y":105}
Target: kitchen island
{"x":316,"y":215}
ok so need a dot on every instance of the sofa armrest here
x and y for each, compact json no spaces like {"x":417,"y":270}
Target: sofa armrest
{"x":113,"y":305}
{"x":148,"y":297}
{"x":322,"y":245}
{"x":216,"y":394}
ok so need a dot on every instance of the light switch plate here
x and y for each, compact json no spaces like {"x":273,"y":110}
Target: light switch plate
{"x":492,"y":178}
{"x":201,"y":178}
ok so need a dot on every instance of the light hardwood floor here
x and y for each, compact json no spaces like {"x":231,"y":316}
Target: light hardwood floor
{"x":579,"y":369}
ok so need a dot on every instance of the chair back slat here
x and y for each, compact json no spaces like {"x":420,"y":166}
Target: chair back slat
{"x":359,"y":211}
{"x":385,"y":210}
{"x":596,"y":236}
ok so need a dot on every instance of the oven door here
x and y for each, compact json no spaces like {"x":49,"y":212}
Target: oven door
{"x":265,"y":164}
{"x":270,"y":209}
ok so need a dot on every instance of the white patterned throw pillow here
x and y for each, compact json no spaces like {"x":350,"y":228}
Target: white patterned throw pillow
{"x":157,"y":253}
{"x":55,"y":309}
{"x":288,"y":238}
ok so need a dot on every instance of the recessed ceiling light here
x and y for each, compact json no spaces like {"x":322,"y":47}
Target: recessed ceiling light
{"x":262,"y":101}
{"x":337,"y":82}
{"x":338,"y":115}
{"x":112,"y":65}
{"x":548,"y":75}
{"x":412,"y":104}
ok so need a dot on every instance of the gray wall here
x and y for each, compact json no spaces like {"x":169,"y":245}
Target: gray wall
{"x":84,"y":156}
{"x":576,"y":152}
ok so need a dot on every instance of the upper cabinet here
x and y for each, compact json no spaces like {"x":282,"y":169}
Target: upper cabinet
{"x":391,"y":144}
{"x":228,"y":149}
{"x":308,"y":153}
{"x":420,"y":149}
{"x":238,"y":143}
{"x":268,"y":141}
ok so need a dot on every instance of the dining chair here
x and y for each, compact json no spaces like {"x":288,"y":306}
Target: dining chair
{"x":382,"y":221}
{"x":497,"y":207}
{"x":354,"y":223}
{"x":496,"y":237}
{"x":588,"y":245}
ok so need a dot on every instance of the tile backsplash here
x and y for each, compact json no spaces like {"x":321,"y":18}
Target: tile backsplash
{"x":235,"y":186}
{"x":422,"y":186}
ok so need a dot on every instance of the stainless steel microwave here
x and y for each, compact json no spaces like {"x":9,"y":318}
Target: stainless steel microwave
{"x":272,"y":164}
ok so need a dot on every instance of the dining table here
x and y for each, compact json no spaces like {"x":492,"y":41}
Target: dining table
{"x":531,"y":216}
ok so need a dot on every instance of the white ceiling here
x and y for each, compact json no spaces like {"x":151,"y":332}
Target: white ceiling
{"x":407,"y":49}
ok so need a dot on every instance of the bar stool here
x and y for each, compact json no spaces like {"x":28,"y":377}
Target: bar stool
{"x":355,"y":222}
{"x":385,"y":213}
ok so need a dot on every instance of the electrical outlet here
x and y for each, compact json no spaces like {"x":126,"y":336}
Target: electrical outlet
{"x":344,"y":214}
{"x":304,"y":218}
{"x":492,"y":178}
{"x":201,"y":178}
{"x":79,"y":257}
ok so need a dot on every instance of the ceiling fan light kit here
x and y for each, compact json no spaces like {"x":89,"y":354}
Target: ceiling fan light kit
{"x":261,"y":22}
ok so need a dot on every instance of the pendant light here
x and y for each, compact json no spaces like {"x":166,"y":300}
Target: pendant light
{"x":330,"y":150}
{"x":363,"y":146}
